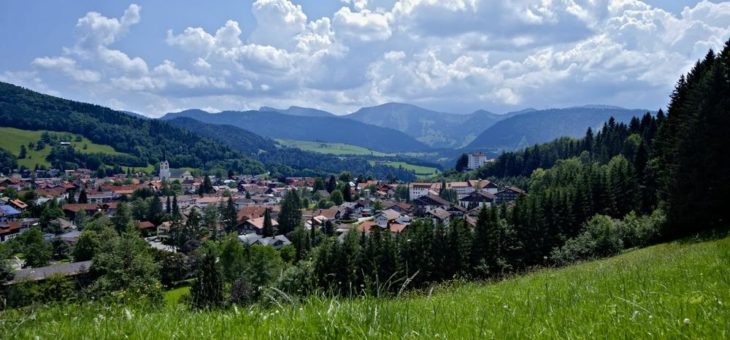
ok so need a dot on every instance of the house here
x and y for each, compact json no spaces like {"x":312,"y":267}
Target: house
{"x":8,"y":213}
{"x":10,"y":230}
{"x":416,"y":190}
{"x":386,"y":217}
{"x":89,"y":208}
{"x":254,"y":211}
{"x":368,"y":226}
{"x":477,"y":199}
{"x":462,"y":188}
{"x":146,"y":227}
{"x":277,"y":241}
{"x":509,"y":194}
{"x":18,"y":204}
{"x":484,"y":185}
{"x":256,"y":225}
{"x":439,"y":215}
{"x":424,"y":204}
{"x":70,"y":237}
{"x":40,"y":274}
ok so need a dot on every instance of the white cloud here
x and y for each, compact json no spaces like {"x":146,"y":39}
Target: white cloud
{"x":455,"y":54}
{"x":278,"y":23}
{"x":363,"y":25}
{"x":67,"y":66}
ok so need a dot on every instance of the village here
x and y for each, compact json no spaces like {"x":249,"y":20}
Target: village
{"x":329,"y":207}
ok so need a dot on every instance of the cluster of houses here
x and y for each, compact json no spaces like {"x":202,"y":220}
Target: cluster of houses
{"x":376,"y":205}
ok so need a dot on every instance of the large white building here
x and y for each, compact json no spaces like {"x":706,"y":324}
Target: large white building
{"x":476,"y":159}
{"x":164,"y":171}
{"x":417,"y":190}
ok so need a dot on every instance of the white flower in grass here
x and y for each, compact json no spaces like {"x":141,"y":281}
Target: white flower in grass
{"x":506,"y":306}
{"x":128,"y":314}
{"x":686,"y":322}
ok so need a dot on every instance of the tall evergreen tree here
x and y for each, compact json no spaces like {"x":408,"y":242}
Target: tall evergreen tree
{"x":207,"y":289}
{"x":268,"y":229}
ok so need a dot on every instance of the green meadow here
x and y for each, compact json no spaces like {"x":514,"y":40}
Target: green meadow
{"x":421,"y":171}
{"x":332,"y":148}
{"x":679,"y":290}
{"x":11,"y":139}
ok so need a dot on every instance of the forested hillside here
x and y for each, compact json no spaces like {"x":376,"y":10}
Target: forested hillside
{"x":542,"y":126}
{"x":273,"y":124}
{"x":285,"y":161}
{"x":147,"y":140}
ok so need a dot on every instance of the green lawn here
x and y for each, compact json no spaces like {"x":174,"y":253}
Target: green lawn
{"x":421,"y":171}
{"x":332,"y":148}
{"x":12,"y":139}
{"x":172,"y":297}
{"x":676,"y":290}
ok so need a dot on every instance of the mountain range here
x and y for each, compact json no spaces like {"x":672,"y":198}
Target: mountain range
{"x":274,"y":124}
{"x":396,"y":127}
{"x":540,"y":126}
{"x":436,"y":129}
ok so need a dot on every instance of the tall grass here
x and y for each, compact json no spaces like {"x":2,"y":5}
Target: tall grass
{"x":676,"y":290}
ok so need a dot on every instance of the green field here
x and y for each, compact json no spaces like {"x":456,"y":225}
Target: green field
{"x":421,"y":171}
{"x":12,"y":139}
{"x":676,"y":290}
{"x":332,"y":148}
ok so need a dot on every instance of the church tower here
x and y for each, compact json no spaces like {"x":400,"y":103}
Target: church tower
{"x":164,"y":171}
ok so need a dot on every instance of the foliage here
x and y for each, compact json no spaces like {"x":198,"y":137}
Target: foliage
{"x":148,"y":141}
{"x":207,"y":290}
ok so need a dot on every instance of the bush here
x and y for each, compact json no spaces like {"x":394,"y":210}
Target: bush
{"x":298,"y":280}
{"x":604,"y":236}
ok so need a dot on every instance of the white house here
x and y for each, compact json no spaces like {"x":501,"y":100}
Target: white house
{"x":416,"y":190}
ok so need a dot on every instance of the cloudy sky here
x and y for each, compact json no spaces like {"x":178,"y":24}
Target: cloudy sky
{"x":154,"y":57}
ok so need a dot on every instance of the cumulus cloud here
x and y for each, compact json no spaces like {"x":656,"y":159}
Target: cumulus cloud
{"x":452,"y":54}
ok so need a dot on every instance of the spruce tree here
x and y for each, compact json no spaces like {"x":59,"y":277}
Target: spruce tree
{"x":207,"y":290}
{"x":268,"y":229}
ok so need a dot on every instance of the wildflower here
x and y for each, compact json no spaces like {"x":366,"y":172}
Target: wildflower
{"x":127,"y":314}
{"x":506,"y":306}
{"x":686,"y":322}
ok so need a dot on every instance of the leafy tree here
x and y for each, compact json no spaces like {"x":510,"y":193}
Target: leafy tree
{"x":37,"y":251}
{"x":154,"y":210}
{"x":206,"y":187}
{"x":125,"y":263}
{"x":337,"y":197}
{"x":232,"y":259}
{"x":86,"y":246}
{"x":122,"y":219}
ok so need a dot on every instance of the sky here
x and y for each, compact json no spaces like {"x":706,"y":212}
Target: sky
{"x":154,"y":57}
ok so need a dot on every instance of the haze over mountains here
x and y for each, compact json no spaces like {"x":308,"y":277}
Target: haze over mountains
{"x":396,"y":127}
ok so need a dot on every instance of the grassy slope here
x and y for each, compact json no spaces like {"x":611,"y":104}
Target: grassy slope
{"x":642,"y":294}
{"x":332,"y":148}
{"x":421,"y":171}
{"x":13,"y":138}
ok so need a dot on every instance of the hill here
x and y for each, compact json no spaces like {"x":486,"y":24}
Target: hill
{"x":146,"y":141}
{"x":540,"y":126}
{"x":277,"y":125}
{"x":298,"y":111}
{"x":295,"y":158}
{"x":675,"y":290}
{"x":437,"y":129}
{"x":13,"y":139}
{"x":239,"y":139}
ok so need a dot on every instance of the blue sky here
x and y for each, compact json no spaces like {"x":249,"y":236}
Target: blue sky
{"x":154,"y":57}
